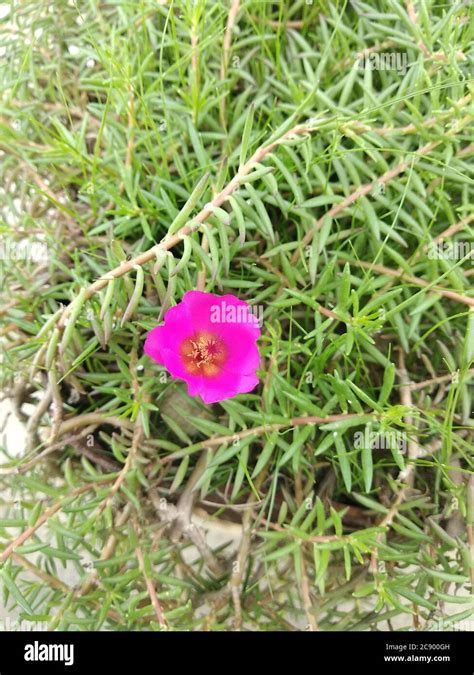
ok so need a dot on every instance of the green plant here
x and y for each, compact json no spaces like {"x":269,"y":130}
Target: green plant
{"x":151,"y":148}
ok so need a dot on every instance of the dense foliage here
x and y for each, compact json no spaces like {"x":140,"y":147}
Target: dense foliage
{"x":312,"y":158}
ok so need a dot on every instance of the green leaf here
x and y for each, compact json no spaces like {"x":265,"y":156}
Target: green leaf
{"x":344,"y":462}
{"x":194,"y":197}
{"x":136,"y":295}
{"x":367,"y":467}
{"x":246,"y":134}
{"x":14,"y":591}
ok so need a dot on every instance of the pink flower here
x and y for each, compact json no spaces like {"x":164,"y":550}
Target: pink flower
{"x":209,"y":341}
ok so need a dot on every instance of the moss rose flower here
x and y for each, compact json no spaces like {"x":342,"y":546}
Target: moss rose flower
{"x":209,"y":341}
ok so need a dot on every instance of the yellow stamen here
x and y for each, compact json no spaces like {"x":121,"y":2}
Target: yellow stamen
{"x":203,"y":354}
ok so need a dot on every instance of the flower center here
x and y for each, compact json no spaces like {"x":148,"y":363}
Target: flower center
{"x":203,"y":354}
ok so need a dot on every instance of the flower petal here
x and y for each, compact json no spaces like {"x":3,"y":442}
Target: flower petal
{"x":200,"y":314}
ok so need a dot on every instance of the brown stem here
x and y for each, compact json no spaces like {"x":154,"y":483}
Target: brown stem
{"x":293,"y":422}
{"x":233,"y":11}
{"x":150,"y":586}
{"x":368,"y":187}
{"x":172,"y":240}
{"x":400,"y":274}
{"x":26,"y":534}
